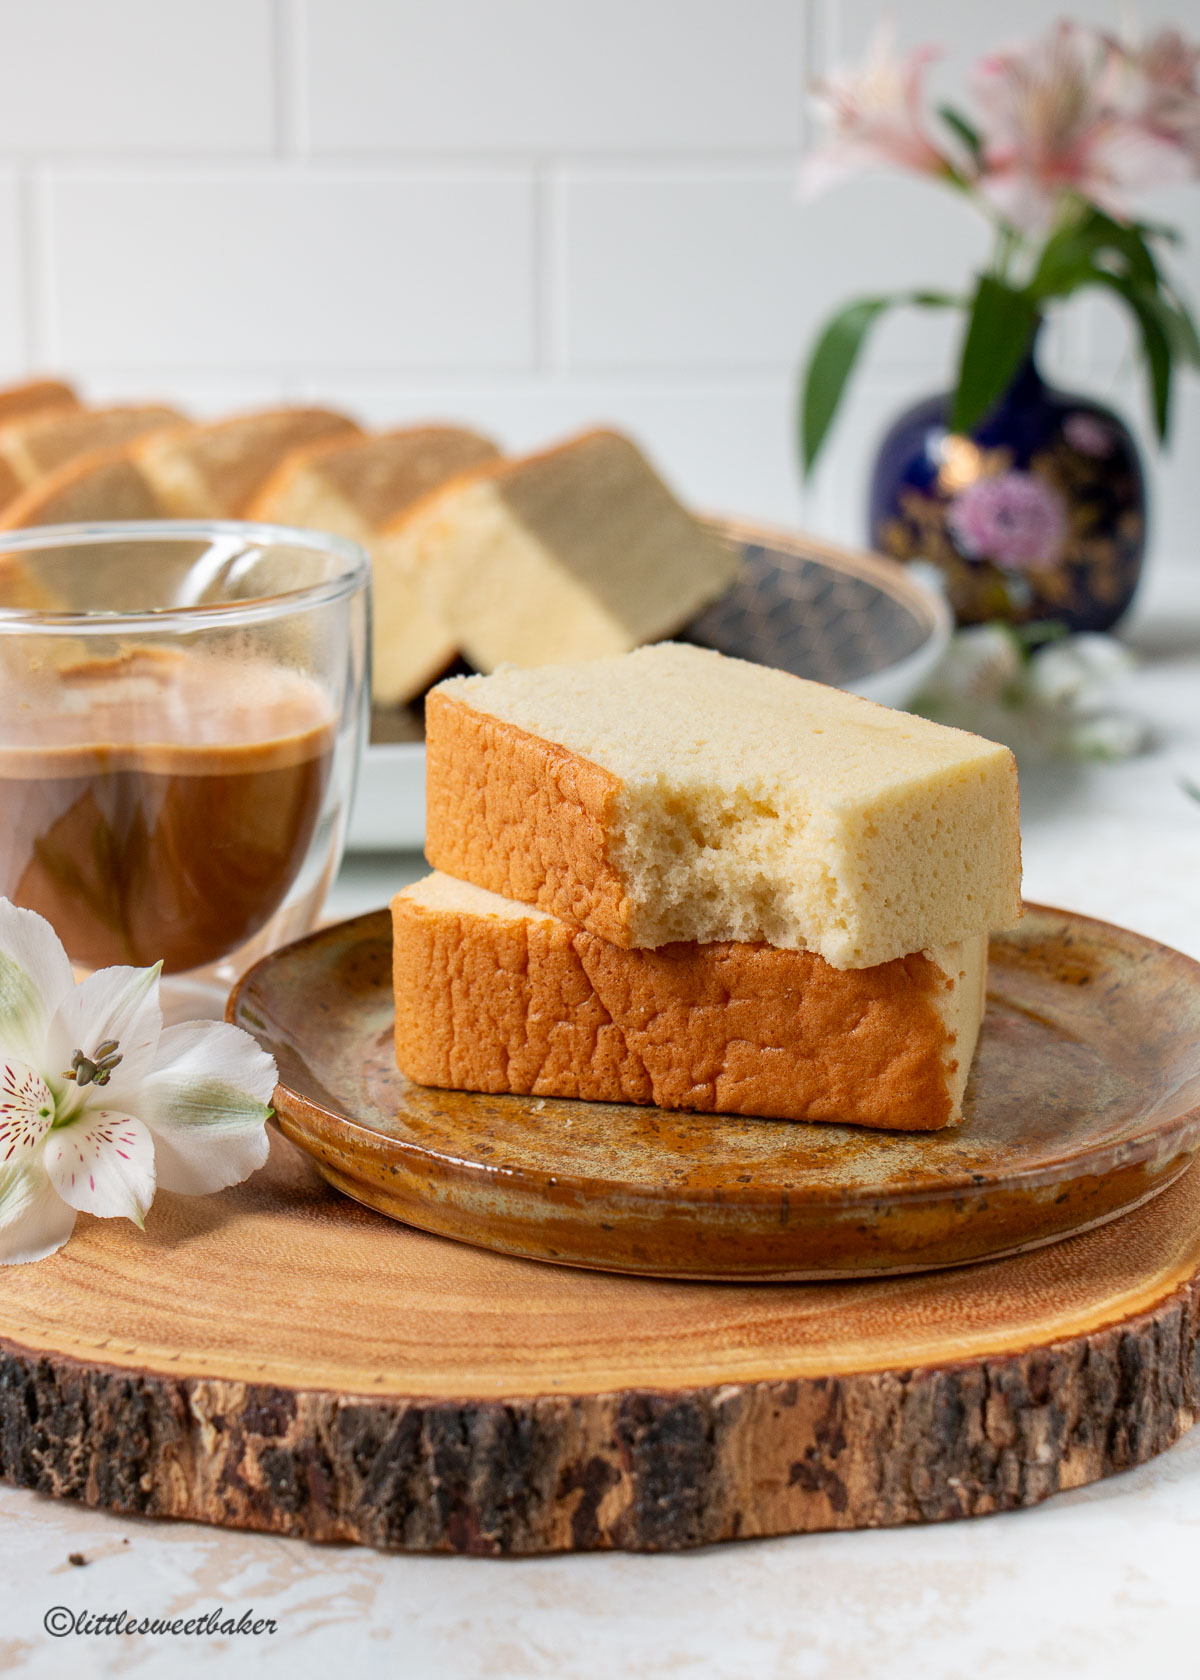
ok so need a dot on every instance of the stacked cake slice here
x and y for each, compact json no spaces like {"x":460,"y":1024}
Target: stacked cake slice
{"x":676,"y":878}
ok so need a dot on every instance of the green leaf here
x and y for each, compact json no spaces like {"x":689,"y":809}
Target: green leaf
{"x":1185,"y":340}
{"x":1071,"y":257}
{"x":829,"y":366}
{"x":1129,"y":242}
{"x":1067,"y":262}
{"x":1156,"y":345}
{"x":999,"y":330}
{"x":1159,"y":230}
{"x":832,"y":360}
{"x":967,"y":132}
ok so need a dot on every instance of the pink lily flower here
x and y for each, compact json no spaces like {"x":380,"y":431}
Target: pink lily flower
{"x":1159,"y":89}
{"x":874,"y":117}
{"x":1059,"y":120}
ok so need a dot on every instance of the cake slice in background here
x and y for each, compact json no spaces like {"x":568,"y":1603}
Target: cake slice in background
{"x":497,"y":996}
{"x":573,"y":553}
{"x":356,"y":487}
{"x":36,"y":396}
{"x":215,"y":471}
{"x":46,"y":440}
{"x":105,"y":484}
{"x":19,"y":402}
{"x":675,"y":794}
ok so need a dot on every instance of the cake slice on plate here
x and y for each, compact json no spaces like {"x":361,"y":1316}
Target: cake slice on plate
{"x":675,"y":794}
{"x":497,"y":996}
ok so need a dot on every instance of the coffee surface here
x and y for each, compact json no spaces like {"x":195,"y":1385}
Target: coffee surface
{"x":160,"y":803}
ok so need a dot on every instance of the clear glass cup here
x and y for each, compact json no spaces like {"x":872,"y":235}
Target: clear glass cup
{"x":182,"y":713}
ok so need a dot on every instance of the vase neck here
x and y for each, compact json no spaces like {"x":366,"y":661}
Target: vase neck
{"x":1027,"y":381}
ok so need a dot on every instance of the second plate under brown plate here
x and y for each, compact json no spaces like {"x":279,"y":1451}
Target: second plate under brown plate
{"x":1082,"y":1104}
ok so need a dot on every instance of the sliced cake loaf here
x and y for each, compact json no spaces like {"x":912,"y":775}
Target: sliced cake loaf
{"x":356,"y":487}
{"x":497,"y":996}
{"x":216,"y":470}
{"x":674,"y":794}
{"x":570,"y":554}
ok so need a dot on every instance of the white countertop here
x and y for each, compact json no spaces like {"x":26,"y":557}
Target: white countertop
{"x":1093,"y":1583}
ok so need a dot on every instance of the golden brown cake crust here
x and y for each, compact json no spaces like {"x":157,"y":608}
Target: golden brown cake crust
{"x":531,"y":1006}
{"x":521,"y":816}
{"x":34,"y":396}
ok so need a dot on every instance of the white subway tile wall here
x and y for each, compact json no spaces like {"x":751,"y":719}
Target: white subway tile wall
{"x":529,"y":217}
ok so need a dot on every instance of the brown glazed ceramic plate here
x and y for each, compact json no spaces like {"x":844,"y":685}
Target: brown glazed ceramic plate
{"x":1082,"y":1104}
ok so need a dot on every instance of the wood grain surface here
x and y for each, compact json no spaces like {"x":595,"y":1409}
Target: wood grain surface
{"x":280,"y":1358}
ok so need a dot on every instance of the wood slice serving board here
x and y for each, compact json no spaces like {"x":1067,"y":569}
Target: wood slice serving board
{"x":280,"y":1358}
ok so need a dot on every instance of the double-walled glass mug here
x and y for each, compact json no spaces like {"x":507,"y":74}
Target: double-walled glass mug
{"x":182,"y":709}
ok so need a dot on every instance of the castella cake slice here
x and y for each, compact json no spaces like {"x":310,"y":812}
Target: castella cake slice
{"x":214,"y":471}
{"x":570,"y":554}
{"x":355,"y":488}
{"x":497,"y":996}
{"x":19,"y":402}
{"x":675,"y":794}
{"x":105,"y":484}
{"x":34,"y":396}
{"x":355,"y":485}
{"x":46,"y":440}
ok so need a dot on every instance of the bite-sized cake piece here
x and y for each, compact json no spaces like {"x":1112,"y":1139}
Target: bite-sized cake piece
{"x":215,"y":471}
{"x":570,"y":554}
{"x":45,"y":440}
{"x":497,"y":996}
{"x":674,"y":794}
{"x":355,"y":488}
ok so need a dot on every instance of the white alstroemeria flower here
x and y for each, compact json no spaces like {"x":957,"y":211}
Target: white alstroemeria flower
{"x":100,"y":1103}
{"x":1077,"y":668}
{"x":979,"y":664}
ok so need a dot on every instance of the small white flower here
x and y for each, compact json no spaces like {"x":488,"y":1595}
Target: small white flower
{"x":100,"y":1103}
{"x":978,"y":665}
{"x":1109,"y":736}
{"x":1077,"y":667}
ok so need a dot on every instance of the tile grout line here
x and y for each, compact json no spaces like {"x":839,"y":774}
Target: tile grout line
{"x":554,"y":300}
{"x":289,"y":57}
{"x":36,"y":268}
{"x":295,"y":152}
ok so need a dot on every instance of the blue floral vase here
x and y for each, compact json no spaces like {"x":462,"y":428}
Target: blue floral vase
{"x":1038,"y":516}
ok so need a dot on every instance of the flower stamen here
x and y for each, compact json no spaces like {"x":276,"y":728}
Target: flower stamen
{"x":96,"y":1069}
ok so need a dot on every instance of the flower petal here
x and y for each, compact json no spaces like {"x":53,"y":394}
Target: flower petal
{"x":35,"y":974}
{"x":34,"y":1219}
{"x":26,"y":1111}
{"x":207,"y":1103}
{"x":112,"y":1003}
{"x":103,"y":1163}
